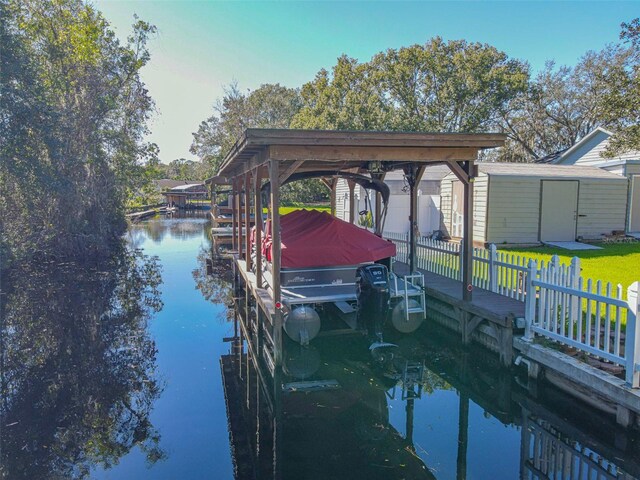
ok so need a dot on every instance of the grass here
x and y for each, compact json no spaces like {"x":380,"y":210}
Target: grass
{"x":285,"y":210}
{"x":617,"y":263}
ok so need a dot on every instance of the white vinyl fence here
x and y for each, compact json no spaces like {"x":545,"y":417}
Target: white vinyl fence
{"x":495,"y":271}
{"x":559,"y":304}
{"x":591,"y":317}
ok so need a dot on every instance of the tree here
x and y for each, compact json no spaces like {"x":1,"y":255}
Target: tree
{"x":621,"y":104}
{"x":440,"y":86}
{"x":562,"y":105}
{"x":72,"y":122}
{"x":348,"y":99}
{"x":270,"y":106}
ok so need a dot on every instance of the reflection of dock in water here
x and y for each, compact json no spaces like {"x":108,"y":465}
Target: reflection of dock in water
{"x":322,"y":433}
{"x":329,"y":417}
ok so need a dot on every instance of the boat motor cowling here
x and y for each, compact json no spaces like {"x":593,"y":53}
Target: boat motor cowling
{"x":372,"y":286}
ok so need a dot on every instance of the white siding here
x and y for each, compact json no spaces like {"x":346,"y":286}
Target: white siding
{"x":601,"y":208}
{"x":480,"y":199}
{"x":632,"y":169}
{"x":591,"y":153}
{"x":445,"y":204}
{"x":514,"y":210}
{"x":480,"y":190}
{"x":342,"y":199}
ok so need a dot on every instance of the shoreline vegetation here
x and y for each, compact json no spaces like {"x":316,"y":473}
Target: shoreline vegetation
{"x":73,"y":118}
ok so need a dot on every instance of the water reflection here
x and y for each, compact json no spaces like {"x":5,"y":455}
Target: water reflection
{"x":181,"y":225}
{"x":78,"y":377}
{"x":434,"y":410}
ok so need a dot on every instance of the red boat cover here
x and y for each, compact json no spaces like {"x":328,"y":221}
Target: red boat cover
{"x":317,"y":239}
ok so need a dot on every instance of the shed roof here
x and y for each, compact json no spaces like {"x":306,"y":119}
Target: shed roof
{"x":166,"y":183}
{"x":546,"y":171}
{"x":181,"y":188}
{"x":342,"y":150}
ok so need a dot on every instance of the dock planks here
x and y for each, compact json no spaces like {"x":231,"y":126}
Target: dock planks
{"x":490,"y":305}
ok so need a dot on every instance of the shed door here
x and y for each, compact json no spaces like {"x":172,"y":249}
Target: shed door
{"x":634,"y":207}
{"x":559,"y":211}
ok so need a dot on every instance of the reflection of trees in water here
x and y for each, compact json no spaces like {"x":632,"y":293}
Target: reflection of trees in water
{"x":77,"y":366}
{"x":182,"y":226}
{"x":216,"y":287}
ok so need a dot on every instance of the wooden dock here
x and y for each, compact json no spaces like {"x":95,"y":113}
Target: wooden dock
{"x":488,"y":318}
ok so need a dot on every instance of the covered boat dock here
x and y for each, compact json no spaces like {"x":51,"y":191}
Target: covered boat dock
{"x":274,"y":155}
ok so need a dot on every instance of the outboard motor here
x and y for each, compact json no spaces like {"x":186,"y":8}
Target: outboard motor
{"x":372,"y":286}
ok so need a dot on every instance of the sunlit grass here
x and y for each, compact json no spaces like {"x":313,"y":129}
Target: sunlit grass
{"x":285,"y":210}
{"x":617,"y":263}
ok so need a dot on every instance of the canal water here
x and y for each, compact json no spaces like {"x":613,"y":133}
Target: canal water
{"x":135,"y":370}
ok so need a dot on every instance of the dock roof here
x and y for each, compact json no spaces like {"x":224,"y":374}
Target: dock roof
{"x":344,"y":150}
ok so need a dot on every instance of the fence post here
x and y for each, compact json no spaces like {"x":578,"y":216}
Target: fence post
{"x":460,"y":261}
{"x":632,"y":343}
{"x":574,"y":279}
{"x":530,"y":301}
{"x":407,"y":250}
{"x":493,"y":268}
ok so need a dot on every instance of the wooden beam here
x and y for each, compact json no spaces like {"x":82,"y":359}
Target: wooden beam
{"x":247,"y":220}
{"x":264,"y":136}
{"x":327,"y":183}
{"x":257,"y":183}
{"x":458,"y":171}
{"x":398,"y":154}
{"x":291,"y":170}
{"x":274,"y":178}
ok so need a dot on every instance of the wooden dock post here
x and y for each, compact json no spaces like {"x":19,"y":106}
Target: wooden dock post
{"x":257,"y":185}
{"x":275,"y":259}
{"x":466,"y":171}
{"x":378,"y":205}
{"x":247,"y":219}
{"x":240,"y":213}
{"x":413,"y":174}
{"x":234,"y":214}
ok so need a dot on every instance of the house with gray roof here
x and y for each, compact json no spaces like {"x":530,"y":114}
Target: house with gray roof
{"x":588,"y":152}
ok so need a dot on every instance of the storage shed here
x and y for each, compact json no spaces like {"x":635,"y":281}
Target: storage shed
{"x":523,"y":203}
{"x":589,"y":152}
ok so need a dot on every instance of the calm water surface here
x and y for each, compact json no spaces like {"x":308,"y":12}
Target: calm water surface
{"x":135,"y":370}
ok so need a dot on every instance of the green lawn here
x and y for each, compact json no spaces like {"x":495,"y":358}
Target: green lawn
{"x":617,"y":263}
{"x":285,"y":210}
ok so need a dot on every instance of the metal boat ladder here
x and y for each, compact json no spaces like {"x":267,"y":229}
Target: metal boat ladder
{"x":413,"y":286}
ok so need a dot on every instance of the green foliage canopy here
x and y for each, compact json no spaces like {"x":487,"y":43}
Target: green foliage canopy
{"x":621,"y":104}
{"x":72,"y":121}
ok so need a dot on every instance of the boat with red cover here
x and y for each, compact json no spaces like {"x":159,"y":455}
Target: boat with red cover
{"x":322,"y":260}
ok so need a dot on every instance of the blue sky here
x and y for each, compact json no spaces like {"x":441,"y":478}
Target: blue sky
{"x":201,"y":46}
